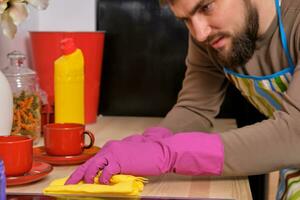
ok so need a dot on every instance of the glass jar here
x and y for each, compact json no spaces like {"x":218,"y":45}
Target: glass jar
{"x":26,"y":97}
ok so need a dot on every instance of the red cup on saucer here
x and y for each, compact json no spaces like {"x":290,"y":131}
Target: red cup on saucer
{"x":66,"y":139}
{"x":16,"y":152}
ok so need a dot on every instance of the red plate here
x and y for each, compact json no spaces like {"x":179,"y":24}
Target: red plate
{"x":40,"y":154}
{"x":38,"y":171}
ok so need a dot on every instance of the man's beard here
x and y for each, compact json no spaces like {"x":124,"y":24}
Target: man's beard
{"x":243,"y":44}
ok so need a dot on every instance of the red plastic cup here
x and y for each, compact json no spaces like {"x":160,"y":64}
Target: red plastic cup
{"x":46,"y":49}
{"x":16,"y":153}
{"x":66,"y":139}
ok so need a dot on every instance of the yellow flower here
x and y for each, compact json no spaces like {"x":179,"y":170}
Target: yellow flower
{"x":14,"y":12}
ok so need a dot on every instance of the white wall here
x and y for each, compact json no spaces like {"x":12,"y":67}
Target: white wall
{"x":61,"y":15}
{"x":68,"y":15}
{"x":20,"y":42}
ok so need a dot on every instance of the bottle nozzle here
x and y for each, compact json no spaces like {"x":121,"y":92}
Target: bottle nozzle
{"x":67,"y":46}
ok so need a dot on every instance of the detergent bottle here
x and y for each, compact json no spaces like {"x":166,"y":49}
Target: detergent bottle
{"x":69,"y":84}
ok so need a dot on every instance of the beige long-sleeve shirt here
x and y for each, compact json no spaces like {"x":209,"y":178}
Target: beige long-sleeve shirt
{"x":262,"y":147}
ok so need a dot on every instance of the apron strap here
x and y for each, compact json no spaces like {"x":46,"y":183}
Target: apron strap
{"x":282,"y":35}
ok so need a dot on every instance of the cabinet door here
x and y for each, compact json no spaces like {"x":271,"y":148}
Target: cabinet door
{"x":144,"y":55}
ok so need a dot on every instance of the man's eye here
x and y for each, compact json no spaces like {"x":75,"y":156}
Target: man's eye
{"x":207,"y":8}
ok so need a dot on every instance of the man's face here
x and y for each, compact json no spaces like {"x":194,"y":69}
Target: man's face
{"x":228,"y":27}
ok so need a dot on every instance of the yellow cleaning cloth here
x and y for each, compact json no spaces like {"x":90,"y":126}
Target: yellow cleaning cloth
{"x":120,"y":185}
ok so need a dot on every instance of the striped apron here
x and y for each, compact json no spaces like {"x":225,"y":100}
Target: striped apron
{"x":265,"y":93}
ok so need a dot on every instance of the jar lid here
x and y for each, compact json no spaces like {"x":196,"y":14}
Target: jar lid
{"x":16,"y":66}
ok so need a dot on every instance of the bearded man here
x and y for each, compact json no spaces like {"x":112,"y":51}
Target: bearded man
{"x":253,"y":44}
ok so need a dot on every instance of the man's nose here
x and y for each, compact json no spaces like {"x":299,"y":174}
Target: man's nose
{"x":201,"y":29}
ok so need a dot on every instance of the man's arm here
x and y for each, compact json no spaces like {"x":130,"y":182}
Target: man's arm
{"x":269,"y":145}
{"x":259,"y":148}
{"x":202,"y":93}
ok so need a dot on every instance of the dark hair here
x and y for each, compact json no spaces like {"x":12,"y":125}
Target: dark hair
{"x":163,"y":2}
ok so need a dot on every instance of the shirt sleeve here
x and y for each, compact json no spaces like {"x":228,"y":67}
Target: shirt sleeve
{"x":255,"y":149}
{"x":202,"y":93}
{"x":268,"y":145}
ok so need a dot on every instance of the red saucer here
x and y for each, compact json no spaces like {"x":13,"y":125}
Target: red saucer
{"x":40,"y":154}
{"x":38,"y":171}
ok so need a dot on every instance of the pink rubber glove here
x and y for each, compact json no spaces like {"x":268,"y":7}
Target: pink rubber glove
{"x":186,"y":153}
{"x":153,"y":134}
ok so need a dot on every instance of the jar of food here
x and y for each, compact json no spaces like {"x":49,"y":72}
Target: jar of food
{"x":26,"y":97}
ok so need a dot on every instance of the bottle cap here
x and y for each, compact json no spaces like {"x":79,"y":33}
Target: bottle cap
{"x":67,"y":46}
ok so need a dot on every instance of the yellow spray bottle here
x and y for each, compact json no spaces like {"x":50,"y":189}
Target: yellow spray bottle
{"x":69,"y":84}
